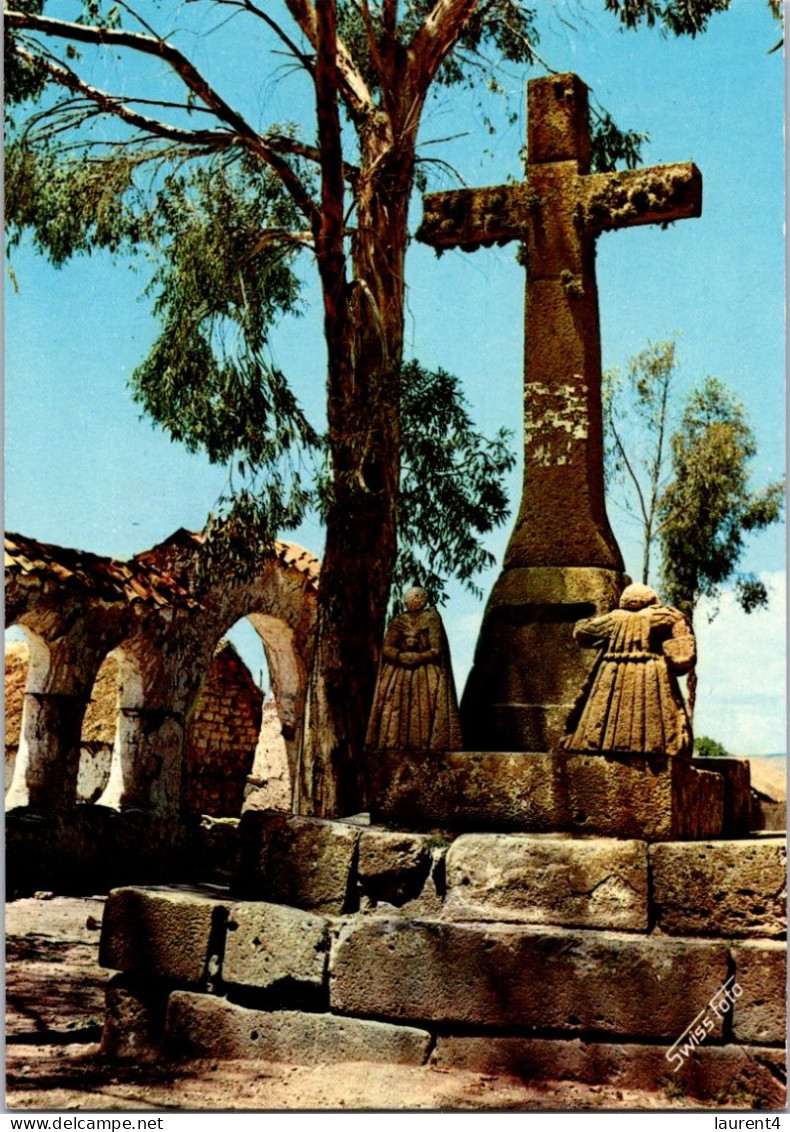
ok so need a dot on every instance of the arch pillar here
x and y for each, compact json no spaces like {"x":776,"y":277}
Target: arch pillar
{"x":158,"y":685}
{"x":59,"y":682}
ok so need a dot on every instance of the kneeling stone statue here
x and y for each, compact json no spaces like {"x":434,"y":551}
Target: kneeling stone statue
{"x":415,"y":705}
{"x":632,"y":701}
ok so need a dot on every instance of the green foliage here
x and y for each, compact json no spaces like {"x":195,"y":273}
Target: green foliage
{"x":691,"y":494}
{"x":72,"y":204}
{"x":22,"y":81}
{"x":610,"y":145}
{"x":507,"y":28}
{"x":706,"y":748}
{"x":220,"y":279}
{"x":680,"y":17}
{"x":452,"y":489}
{"x":220,"y":285}
{"x":452,"y":493}
{"x":708,"y":509}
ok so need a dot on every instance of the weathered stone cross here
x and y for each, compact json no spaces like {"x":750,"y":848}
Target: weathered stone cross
{"x":562,"y":561}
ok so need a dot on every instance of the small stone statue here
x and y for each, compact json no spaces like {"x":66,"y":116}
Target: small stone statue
{"x":414,"y":705}
{"x":632,"y":701}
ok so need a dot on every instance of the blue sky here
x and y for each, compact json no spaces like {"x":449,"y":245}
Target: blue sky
{"x":83,"y":470}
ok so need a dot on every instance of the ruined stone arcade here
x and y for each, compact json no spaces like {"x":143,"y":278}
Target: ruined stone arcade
{"x":161,"y":618}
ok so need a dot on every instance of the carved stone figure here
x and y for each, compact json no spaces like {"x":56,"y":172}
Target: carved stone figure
{"x":632,"y":701}
{"x":415,"y":705}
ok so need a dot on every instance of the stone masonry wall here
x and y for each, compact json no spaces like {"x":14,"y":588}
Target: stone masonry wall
{"x":546,"y":957}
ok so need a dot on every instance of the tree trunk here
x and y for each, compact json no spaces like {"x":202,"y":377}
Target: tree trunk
{"x":691,"y":679}
{"x":361,"y":542}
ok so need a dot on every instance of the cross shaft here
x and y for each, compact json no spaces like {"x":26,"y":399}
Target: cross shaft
{"x":562,"y":527}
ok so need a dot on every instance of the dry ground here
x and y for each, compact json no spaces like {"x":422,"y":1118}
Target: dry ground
{"x":55,"y":997}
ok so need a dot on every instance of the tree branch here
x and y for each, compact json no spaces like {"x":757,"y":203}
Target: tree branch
{"x":111,"y":104}
{"x":630,"y":470}
{"x":373,"y":47}
{"x":282,"y":236}
{"x":267,"y":149}
{"x":248,"y":6}
{"x":435,"y":39}
{"x":352,"y":86}
{"x":144,"y":44}
{"x":329,"y":230}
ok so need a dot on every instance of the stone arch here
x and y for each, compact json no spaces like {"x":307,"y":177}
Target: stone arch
{"x":273,"y":775}
{"x":99,"y":731}
{"x":279,"y":599}
{"x":164,"y":615}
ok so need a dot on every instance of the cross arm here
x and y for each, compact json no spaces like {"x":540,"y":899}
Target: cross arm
{"x":473,"y":218}
{"x":641,"y":196}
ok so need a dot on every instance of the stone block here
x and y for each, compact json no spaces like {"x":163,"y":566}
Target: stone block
{"x":270,"y":943}
{"x":205,"y":1026}
{"x":759,"y":1013}
{"x":506,"y":976}
{"x":541,"y":879}
{"x":737,"y":792}
{"x":165,"y":933}
{"x":750,"y":1076}
{"x":723,"y":888}
{"x":304,"y":862}
{"x":393,"y":867}
{"x":134,"y":1018}
{"x":630,"y":796}
{"x":768,"y":815}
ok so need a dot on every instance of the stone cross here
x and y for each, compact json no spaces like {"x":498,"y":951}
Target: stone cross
{"x":562,"y":562}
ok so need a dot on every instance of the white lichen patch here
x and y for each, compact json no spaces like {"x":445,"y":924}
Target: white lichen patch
{"x":556,"y":418}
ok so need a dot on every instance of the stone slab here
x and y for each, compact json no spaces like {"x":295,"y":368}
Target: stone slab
{"x":747,"y":1076}
{"x":720,"y":888}
{"x":165,"y":933}
{"x":201,"y":1025}
{"x":269,"y":943}
{"x":540,"y":879}
{"x":630,"y":796}
{"x":759,"y":1013}
{"x":304,"y":862}
{"x":537,"y":979}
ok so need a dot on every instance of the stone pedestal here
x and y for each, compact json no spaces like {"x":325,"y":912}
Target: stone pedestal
{"x":528,"y":670}
{"x":655,"y":798}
